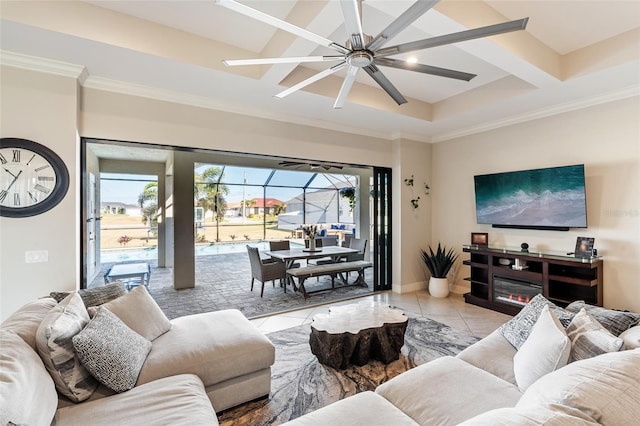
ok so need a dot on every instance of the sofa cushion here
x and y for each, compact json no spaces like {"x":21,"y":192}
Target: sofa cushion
{"x":95,"y":296}
{"x":517,"y":329}
{"x":215,"y":345}
{"x":111,"y":351}
{"x":605,"y":388}
{"x":631,"y":338}
{"x":26,"y":320}
{"x":546,"y":349}
{"x":176,"y":400}
{"x":27,"y":392}
{"x":138,"y":311}
{"x":614,"y":321}
{"x":589,"y":338}
{"x":493,"y":354}
{"x":365,"y":408}
{"x":531,"y":416}
{"x":446,"y":391}
{"x":55,"y":346}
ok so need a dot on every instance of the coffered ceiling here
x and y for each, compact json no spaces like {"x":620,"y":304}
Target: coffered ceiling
{"x":572,"y":54}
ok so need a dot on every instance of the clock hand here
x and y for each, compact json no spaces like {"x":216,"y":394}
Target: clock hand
{"x":10,"y":173}
{"x":14,"y":180}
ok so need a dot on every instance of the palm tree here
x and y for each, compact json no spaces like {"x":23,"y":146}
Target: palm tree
{"x":148,"y":201}
{"x":209,"y":194}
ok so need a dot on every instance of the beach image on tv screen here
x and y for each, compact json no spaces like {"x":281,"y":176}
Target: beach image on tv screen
{"x":541,"y":197}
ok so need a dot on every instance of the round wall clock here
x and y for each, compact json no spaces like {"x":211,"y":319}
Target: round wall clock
{"x":33,"y":179}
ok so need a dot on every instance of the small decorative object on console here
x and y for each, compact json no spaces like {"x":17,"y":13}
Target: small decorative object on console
{"x":584,"y":247}
{"x":479,"y":238}
{"x":524,"y":247}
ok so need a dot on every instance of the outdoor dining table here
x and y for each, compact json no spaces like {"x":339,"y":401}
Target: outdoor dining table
{"x":290,"y":256}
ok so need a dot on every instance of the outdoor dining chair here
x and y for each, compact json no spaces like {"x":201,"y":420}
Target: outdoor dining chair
{"x":281,"y":245}
{"x":264,"y":272}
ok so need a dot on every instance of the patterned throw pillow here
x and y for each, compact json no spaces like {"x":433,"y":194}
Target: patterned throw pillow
{"x":517,"y":329}
{"x":111,"y":351}
{"x":97,"y":295}
{"x":614,"y":321}
{"x":55,"y":347}
{"x":589,"y":338}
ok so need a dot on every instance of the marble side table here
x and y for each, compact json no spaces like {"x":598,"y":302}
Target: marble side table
{"x":358,"y":333}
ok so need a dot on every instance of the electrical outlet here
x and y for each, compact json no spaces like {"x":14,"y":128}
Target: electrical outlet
{"x":36,"y":256}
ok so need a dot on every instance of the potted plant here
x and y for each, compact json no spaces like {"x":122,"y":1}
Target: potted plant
{"x":439,"y":263}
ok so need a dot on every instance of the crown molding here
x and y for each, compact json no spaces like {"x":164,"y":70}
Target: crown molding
{"x":623,"y":93}
{"x":48,"y":66}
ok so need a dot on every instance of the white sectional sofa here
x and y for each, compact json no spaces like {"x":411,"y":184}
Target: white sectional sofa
{"x":202,"y":364}
{"x":479,"y":387}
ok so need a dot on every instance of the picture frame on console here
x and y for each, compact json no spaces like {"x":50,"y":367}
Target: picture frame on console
{"x":584,"y":247}
{"x":480,"y":239}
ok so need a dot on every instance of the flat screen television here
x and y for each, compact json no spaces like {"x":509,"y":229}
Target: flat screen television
{"x":551,"y":198}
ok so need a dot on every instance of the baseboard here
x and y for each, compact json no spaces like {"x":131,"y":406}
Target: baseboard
{"x":408,"y":288}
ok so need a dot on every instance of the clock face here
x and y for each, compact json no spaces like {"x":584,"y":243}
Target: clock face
{"x":33,"y":179}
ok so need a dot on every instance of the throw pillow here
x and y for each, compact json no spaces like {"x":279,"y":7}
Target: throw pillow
{"x":111,"y":351}
{"x":517,"y":329}
{"x":546,"y":349}
{"x":631,"y":338}
{"x":97,"y":295}
{"x":614,"y":321}
{"x":589,"y":338}
{"x":27,"y":392}
{"x":605,"y":388}
{"x":138,"y":311}
{"x":55,"y":347}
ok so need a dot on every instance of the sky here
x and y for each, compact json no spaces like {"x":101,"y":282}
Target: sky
{"x":127,"y":191}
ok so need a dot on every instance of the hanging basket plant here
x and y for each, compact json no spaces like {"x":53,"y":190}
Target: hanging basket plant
{"x":349,"y":193}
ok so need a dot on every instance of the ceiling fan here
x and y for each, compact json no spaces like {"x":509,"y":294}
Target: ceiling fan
{"x":311,"y":166}
{"x":362,"y":51}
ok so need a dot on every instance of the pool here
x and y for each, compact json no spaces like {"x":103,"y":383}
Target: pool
{"x":151,"y":253}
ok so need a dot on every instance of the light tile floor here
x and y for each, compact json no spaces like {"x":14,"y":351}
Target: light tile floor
{"x":452,"y":311}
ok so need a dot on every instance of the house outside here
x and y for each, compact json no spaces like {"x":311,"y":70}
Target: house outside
{"x":257,"y":206}
{"x":120,"y":208}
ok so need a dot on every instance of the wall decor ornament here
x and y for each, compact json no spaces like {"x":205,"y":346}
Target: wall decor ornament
{"x":409,"y":181}
{"x":415,"y":202}
{"x":427,"y":188}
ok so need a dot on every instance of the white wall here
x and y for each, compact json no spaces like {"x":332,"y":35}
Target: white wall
{"x":606,"y":138}
{"x":42,"y":108}
{"x":411,"y":227}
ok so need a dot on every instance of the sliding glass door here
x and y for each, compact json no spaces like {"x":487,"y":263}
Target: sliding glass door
{"x":381,"y":192}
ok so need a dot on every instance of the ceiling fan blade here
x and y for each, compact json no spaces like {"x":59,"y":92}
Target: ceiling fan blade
{"x":346,"y":87}
{"x":352,"y":21}
{"x":400,"y":23}
{"x":426,"y":69}
{"x":311,"y":79}
{"x":279,"y":23}
{"x":386,"y":85}
{"x":291,"y":60}
{"x":490,"y":30}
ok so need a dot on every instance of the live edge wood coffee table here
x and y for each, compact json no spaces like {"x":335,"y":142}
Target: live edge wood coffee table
{"x":358,"y":333}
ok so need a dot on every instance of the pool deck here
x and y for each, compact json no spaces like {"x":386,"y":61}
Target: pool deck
{"x":223,"y":281}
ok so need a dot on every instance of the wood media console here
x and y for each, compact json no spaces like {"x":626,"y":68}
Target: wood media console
{"x":505,"y":280}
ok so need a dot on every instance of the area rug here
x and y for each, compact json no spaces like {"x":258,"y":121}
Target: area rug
{"x":300,"y":384}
